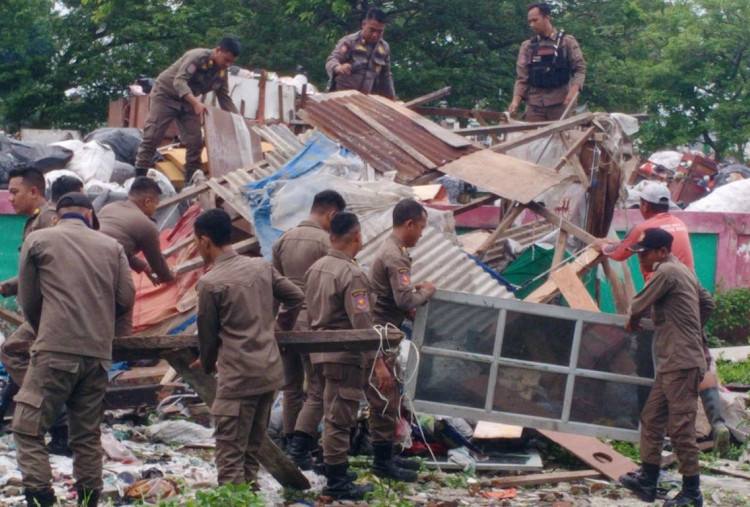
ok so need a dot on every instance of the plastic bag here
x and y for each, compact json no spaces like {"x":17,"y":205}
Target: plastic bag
{"x":93,"y":161}
{"x":123,"y":141}
{"x":40,"y":156}
{"x":114,"y":449}
{"x":153,"y":490}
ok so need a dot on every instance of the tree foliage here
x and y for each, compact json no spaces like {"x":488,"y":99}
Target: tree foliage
{"x":683,"y":61}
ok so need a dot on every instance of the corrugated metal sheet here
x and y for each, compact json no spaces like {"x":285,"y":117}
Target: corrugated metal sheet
{"x":332,"y":117}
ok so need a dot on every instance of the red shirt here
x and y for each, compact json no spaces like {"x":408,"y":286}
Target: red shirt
{"x":680,"y":245}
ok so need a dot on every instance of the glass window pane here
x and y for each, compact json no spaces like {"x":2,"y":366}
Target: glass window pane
{"x":608,"y":403}
{"x":529,"y":392}
{"x":611,"y":349}
{"x":455,"y":326}
{"x":453,"y":381}
{"x":537,"y":338}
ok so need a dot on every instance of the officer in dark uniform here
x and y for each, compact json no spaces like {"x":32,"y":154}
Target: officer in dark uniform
{"x":175,"y":97}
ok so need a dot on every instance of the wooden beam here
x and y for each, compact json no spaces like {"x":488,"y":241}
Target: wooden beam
{"x":178,"y":246}
{"x":474,"y":204}
{"x":383,"y":131}
{"x":11,"y":316}
{"x":619,"y":294}
{"x":458,"y":113}
{"x":478,"y":116}
{"x":504,"y":224}
{"x":549,"y":289}
{"x":572,"y":153}
{"x":269,"y":455}
{"x":197,"y":262}
{"x":424,"y":99}
{"x":560,"y":222}
{"x":572,"y":288}
{"x":502,"y":128}
{"x":562,"y":241}
{"x":230,"y":199}
{"x":540,"y":479}
{"x":553,"y":128}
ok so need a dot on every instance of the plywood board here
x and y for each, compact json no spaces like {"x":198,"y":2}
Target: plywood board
{"x":228,"y":142}
{"x":503,"y":175}
{"x":572,"y":288}
{"x":594,"y":453}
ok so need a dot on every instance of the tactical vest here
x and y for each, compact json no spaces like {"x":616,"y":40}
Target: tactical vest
{"x":548,"y":67}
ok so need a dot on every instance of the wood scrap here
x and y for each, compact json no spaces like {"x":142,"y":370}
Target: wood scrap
{"x":475,"y":203}
{"x":562,"y":241}
{"x":572,"y":289}
{"x":583,"y":262}
{"x":197,"y":262}
{"x":550,"y":129}
{"x":562,"y":223}
{"x":173,"y":249}
{"x":507,"y":221}
{"x":540,"y":479}
{"x":594,"y":453}
{"x":424,"y":99}
{"x":459,"y":113}
{"x":11,"y":316}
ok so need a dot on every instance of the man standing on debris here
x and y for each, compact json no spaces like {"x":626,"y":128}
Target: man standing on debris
{"x":654,"y":208}
{"x":396,"y":298}
{"x":293,"y":254}
{"x":14,"y":352}
{"x":679,"y":304}
{"x":175,"y":97}
{"x":550,"y":69}
{"x":73,"y":282}
{"x":130,"y":222}
{"x":362,"y":60}
{"x":236,"y":337}
{"x":338,"y":297}
{"x":27,"y":190}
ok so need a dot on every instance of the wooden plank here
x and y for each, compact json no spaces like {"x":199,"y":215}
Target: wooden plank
{"x":560,"y":222}
{"x":269,"y":455}
{"x":506,"y":222}
{"x":459,"y":113}
{"x":424,"y":99}
{"x":583,"y":262}
{"x":197,"y":262}
{"x":261,"y":115}
{"x":540,"y":479}
{"x":433,"y":128}
{"x":619,"y":294}
{"x":475,"y":203}
{"x":235,"y":201}
{"x":178,"y":246}
{"x":553,"y":128}
{"x":562,"y":241}
{"x":382,"y":130}
{"x":594,"y":453}
{"x":293,"y":341}
{"x":228,"y":142}
{"x":11,"y":316}
{"x":501,"y":129}
{"x":508,"y":177}
{"x":572,"y":289}
{"x":571,"y":156}
{"x":478,"y":116}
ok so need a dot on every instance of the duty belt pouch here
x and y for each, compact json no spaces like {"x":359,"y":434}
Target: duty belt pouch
{"x":549,"y":66}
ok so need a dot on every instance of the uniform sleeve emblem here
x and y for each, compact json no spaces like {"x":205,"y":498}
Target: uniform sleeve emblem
{"x":404,"y":278}
{"x":191,"y":68}
{"x":360,"y":301}
{"x":381,"y":49}
{"x":222,"y":73}
{"x":344,"y":49}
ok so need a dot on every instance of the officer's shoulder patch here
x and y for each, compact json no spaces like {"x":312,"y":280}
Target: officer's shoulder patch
{"x":404,"y":278}
{"x":344,"y":48}
{"x":361,"y":302}
{"x":191,"y":68}
{"x":222,"y":73}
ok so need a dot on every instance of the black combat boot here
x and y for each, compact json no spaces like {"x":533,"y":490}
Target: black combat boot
{"x":6,"y":399}
{"x":299,"y":451}
{"x":690,"y":494}
{"x":642,"y":482}
{"x":88,"y":497}
{"x":407,"y":463}
{"x":715,"y":414}
{"x":341,"y":487}
{"x":59,"y":443}
{"x":384,"y":466}
{"x":44,"y":498}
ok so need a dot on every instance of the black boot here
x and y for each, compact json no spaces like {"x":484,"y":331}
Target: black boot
{"x":712,"y":405}
{"x":59,"y":443}
{"x":407,"y":463}
{"x":690,"y":494}
{"x":384,"y":466}
{"x":299,"y":451}
{"x":44,"y":498}
{"x":642,"y":482}
{"x":6,"y":398}
{"x":88,"y":497}
{"x":341,"y":487}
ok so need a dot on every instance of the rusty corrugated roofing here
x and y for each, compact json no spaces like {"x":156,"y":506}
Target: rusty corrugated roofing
{"x":330,"y":114}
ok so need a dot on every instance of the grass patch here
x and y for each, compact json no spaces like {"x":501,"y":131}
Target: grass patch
{"x":729,"y":372}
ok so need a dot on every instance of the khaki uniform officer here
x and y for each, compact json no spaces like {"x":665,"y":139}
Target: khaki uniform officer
{"x":293,"y":254}
{"x":27,"y":189}
{"x":362,"y":61}
{"x":678,"y":303}
{"x":338,"y":297}
{"x":175,"y":97}
{"x":236,"y":336}
{"x":130,"y":223}
{"x":396,"y":298}
{"x":550,"y":69}
{"x":73,"y":282}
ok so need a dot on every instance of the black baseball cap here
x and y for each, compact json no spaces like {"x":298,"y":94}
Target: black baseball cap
{"x":653,"y":239}
{"x":78,"y":199}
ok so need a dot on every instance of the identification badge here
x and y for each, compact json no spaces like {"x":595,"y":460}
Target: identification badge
{"x":191,"y":68}
{"x":361,"y":302}
{"x":404,"y":278}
